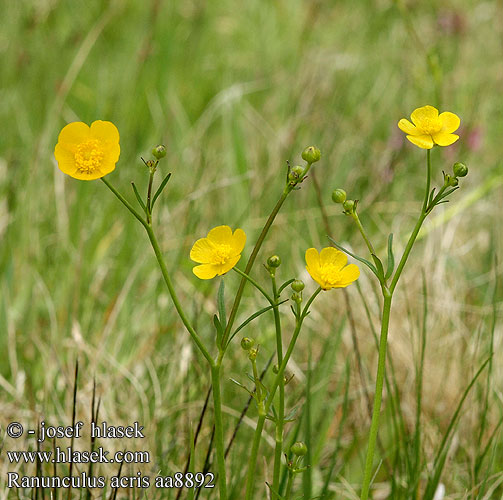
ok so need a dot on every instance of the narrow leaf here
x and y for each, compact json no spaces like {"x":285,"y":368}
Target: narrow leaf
{"x":218,"y":328}
{"x":379,"y":266}
{"x":160,"y":189}
{"x":221,"y":304}
{"x":391,"y":258}
{"x":360,"y":259}
{"x":138,"y":197}
{"x":252,"y":317}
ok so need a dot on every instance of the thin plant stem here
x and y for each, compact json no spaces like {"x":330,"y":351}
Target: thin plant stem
{"x":386,"y":311}
{"x":214,"y":365}
{"x":374,"y":426}
{"x":149,"y":196}
{"x":264,"y":408}
{"x":281,"y":393}
{"x":417,"y":227}
{"x":289,"y":486}
{"x":219,"y":433}
{"x":355,"y":217}
{"x":251,"y":261}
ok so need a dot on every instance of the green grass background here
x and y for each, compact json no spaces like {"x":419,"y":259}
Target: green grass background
{"x":234,"y":89}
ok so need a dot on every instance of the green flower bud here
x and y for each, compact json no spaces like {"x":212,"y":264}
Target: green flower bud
{"x":311,"y":154}
{"x":297,"y":286}
{"x":274,"y":261}
{"x":252,"y":354}
{"x":349,"y":206}
{"x":247,"y":343}
{"x":297,"y":298}
{"x":275,"y":369}
{"x":159,"y":151}
{"x":296,"y":174}
{"x":299,"y":448}
{"x":339,"y":196}
{"x":460,"y":169}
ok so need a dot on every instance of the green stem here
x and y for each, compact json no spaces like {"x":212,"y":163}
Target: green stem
{"x":252,"y":461}
{"x":374,"y":426}
{"x":417,"y":227}
{"x":362,"y":231}
{"x":264,"y":410}
{"x":250,"y":263}
{"x":289,"y":485}
{"x":174,"y":297}
{"x":149,"y":196}
{"x":281,"y":395}
{"x":125,"y":202}
{"x":256,"y":285}
{"x":219,"y":433}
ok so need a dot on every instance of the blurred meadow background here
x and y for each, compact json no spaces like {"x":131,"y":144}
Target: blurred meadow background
{"x":234,"y":90}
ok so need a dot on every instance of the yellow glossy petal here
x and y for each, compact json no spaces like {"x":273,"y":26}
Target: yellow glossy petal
{"x":423,"y":114}
{"x":220,"y":235}
{"x":313,"y":258}
{"x":445,"y":139}
{"x":349,"y":274}
{"x":238,"y":241}
{"x":423,"y":141}
{"x":104,"y":131}
{"x":450,"y":122}
{"x":224,"y":268}
{"x":315,"y":274}
{"x":65,"y":159}
{"x":112,"y":152}
{"x":332,"y":256}
{"x":74,"y":133}
{"x":202,"y":251}
{"x":407,"y":127}
{"x":205,"y":271}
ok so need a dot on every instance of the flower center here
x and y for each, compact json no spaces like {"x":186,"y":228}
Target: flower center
{"x":222,"y":253}
{"x":88,"y":156}
{"x":431,"y":126}
{"x":330,"y":274}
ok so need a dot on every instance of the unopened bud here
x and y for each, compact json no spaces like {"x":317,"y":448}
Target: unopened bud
{"x":349,"y":206}
{"x":297,"y":285}
{"x":311,"y":154}
{"x":460,"y":169}
{"x":296,"y":174}
{"x":339,"y":196}
{"x":299,"y":448}
{"x":247,"y":343}
{"x":159,"y":151}
{"x":275,"y":369}
{"x":274,"y":261}
{"x":252,"y":354}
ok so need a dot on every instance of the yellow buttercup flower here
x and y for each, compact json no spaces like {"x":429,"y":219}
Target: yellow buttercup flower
{"x":88,"y":153}
{"x":328,"y":268}
{"x":218,"y":253}
{"x":429,"y":128}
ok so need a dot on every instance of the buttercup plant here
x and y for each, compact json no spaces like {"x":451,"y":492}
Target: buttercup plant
{"x":89,"y":153}
{"x":428,"y":128}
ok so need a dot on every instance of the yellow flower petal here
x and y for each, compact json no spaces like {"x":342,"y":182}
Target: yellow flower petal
{"x":202,"y":251}
{"x":104,"y":131}
{"x":238,"y":241}
{"x":331,"y":255}
{"x":74,"y":133}
{"x":314,"y":273}
{"x":423,"y":141}
{"x":220,"y":235}
{"x":425,"y":113}
{"x":65,"y":159}
{"x":445,"y":139}
{"x":205,"y":271}
{"x":349,"y":274}
{"x":224,"y":268}
{"x":313,"y":258}
{"x":407,"y":127}
{"x":450,"y":122}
